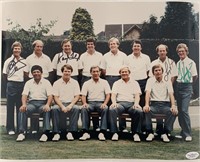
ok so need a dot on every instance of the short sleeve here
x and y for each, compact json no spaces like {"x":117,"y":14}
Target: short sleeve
{"x":107,"y":87}
{"x":54,"y":61}
{"x":76,"y":88}
{"x":84,"y":90}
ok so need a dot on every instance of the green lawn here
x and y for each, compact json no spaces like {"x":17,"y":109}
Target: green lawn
{"x":125,"y":148}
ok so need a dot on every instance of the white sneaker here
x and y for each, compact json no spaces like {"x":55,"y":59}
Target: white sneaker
{"x":165,"y":138}
{"x":125,"y":130}
{"x":43,"y":138}
{"x":69,"y":136}
{"x":56,"y":137}
{"x":84,"y":137}
{"x":115,"y":137}
{"x":11,"y":132}
{"x":101,"y":137}
{"x":20,"y":137}
{"x":188,"y":138}
{"x":136,"y":138}
{"x":150,"y":137}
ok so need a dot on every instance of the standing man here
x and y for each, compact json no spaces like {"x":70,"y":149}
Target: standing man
{"x":139,"y":65}
{"x":125,"y":98}
{"x":41,"y":59}
{"x":110,"y":65}
{"x":169,"y":66}
{"x":36,"y":97}
{"x":95,"y":97}
{"x":66,"y":93}
{"x":187,"y":74}
{"x":159,"y":93}
{"x":67,"y":56}
{"x":169,"y":73}
{"x":13,"y":70}
{"x":88,"y":59}
{"x":113,"y":61}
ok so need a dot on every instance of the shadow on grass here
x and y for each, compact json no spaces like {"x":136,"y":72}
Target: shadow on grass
{"x":125,"y":148}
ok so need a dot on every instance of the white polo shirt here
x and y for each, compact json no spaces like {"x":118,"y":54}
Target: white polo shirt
{"x":66,"y":91}
{"x":62,"y":58}
{"x":138,"y":66}
{"x":95,"y":91}
{"x":159,"y":91}
{"x":169,"y":67}
{"x":44,"y":61}
{"x":126,"y":91}
{"x":38,"y":91}
{"x":14,"y":69}
{"x":186,"y":70}
{"x":87,"y":61}
{"x":113,"y":63}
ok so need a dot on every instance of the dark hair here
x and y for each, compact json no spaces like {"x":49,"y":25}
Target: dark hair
{"x":67,"y":66}
{"x":93,"y":67}
{"x":137,"y":41}
{"x":157,"y":66}
{"x":91,"y":40}
{"x":36,"y":67}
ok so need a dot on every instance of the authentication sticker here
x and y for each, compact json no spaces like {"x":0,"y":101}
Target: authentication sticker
{"x":192,"y":155}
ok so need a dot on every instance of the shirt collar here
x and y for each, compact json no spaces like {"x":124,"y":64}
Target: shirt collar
{"x":40,"y":82}
{"x":126,"y":82}
{"x":66,"y":55}
{"x":185,"y":59}
{"x":94,"y":53}
{"x":154,"y":79}
{"x":94,"y":81}
{"x":64,"y":81}
{"x":37,"y":56}
{"x":115,"y":54}
{"x":161,"y":61}
{"x":140,"y":56}
{"x":13,"y":57}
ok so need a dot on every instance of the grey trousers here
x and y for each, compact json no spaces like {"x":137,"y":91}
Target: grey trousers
{"x":159,"y":107}
{"x":59,"y":118}
{"x":33,"y":107}
{"x":184,"y":93}
{"x":126,"y":107}
{"x":85,"y":115}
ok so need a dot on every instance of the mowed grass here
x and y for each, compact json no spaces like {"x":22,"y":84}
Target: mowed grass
{"x":125,"y":148}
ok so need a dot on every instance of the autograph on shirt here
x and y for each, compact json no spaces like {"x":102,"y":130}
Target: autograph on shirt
{"x":185,"y":73}
{"x":168,"y":69}
{"x":70,"y":57}
{"x":13,"y":67}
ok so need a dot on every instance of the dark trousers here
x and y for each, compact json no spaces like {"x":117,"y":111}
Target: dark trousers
{"x":13,"y":92}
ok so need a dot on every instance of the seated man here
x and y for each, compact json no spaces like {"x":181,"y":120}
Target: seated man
{"x":159,"y":94}
{"x":125,"y":98}
{"x":95,"y":96}
{"x":38,"y":93}
{"x":66,"y":93}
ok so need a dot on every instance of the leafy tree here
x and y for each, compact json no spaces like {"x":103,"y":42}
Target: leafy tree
{"x":82,"y":25}
{"x":178,"y":21}
{"x":150,"y":28}
{"x":26,"y":37}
